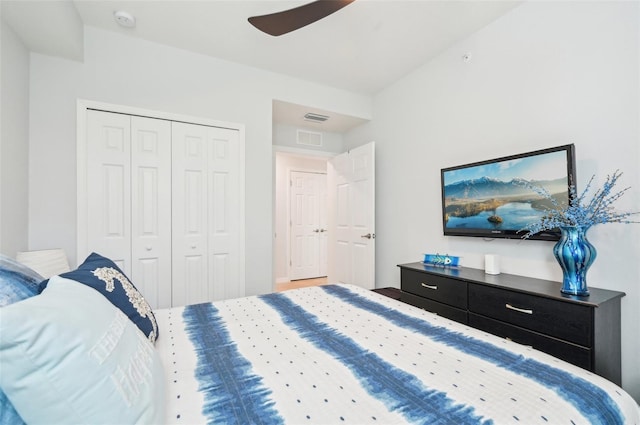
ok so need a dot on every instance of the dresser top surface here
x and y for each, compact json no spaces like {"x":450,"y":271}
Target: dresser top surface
{"x":540,"y":287}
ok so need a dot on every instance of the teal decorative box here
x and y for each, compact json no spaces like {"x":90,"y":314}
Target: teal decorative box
{"x":442,"y":260}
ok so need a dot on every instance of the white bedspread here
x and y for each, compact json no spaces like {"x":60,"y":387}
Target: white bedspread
{"x":340,"y":354}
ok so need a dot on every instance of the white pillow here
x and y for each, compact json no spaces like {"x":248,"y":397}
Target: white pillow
{"x":69,"y":356}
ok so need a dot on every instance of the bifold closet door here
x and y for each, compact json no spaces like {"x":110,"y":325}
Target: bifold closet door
{"x":151,"y":209}
{"x":206,"y":214}
{"x":109,"y":186}
{"x":129,"y":198}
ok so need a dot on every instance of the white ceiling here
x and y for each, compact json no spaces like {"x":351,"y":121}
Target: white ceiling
{"x":362,"y":48}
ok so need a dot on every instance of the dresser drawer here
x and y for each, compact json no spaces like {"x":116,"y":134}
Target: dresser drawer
{"x":574,"y":354}
{"x":440,"y":309}
{"x":571,"y":322}
{"x":438,"y":288}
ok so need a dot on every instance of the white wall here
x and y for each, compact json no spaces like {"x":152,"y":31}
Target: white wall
{"x":127,"y":71}
{"x":14,"y":146}
{"x":284,"y":164}
{"x":545,"y":74}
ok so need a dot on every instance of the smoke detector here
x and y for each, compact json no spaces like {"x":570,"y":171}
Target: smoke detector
{"x":124,"y":19}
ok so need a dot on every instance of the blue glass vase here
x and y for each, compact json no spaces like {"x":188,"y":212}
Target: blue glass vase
{"x":575,"y":254}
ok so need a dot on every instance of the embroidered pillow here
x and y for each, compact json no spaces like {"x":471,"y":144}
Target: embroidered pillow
{"x":70,"y":356}
{"x":105,"y":276}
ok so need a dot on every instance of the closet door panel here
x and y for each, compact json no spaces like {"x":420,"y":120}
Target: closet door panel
{"x":189,"y":222}
{"x":224,"y":213}
{"x":206,"y":214}
{"x":151,"y":209}
{"x":108,"y":180}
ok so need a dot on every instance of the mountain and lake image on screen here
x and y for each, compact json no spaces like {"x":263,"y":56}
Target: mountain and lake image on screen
{"x":489,"y":198}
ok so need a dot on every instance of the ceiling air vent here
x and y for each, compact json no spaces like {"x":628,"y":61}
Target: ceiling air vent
{"x":310,"y":116}
{"x":309,"y":138}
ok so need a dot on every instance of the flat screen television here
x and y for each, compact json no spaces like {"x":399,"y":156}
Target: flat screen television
{"x":484,"y":199}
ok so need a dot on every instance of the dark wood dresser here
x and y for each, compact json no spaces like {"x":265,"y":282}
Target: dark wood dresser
{"x":584,"y":331}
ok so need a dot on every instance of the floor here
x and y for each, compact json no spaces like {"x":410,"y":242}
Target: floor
{"x":284,"y":286}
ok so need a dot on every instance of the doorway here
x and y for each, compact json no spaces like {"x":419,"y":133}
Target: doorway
{"x":350,"y":214}
{"x":299,"y":250}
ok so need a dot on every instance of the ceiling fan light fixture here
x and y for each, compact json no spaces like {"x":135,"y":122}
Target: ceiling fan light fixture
{"x":310,"y":116}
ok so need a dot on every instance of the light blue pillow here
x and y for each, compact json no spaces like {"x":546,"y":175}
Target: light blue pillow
{"x":70,"y":356}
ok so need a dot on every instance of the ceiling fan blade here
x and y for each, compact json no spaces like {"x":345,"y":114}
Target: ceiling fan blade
{"x":290,"y":20}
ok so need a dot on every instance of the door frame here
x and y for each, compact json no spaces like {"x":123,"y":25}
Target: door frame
{"x":82,"y":105}
{"x":296,"y":153}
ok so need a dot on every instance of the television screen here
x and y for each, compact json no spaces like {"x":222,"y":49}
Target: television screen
{"x":484,"y":199}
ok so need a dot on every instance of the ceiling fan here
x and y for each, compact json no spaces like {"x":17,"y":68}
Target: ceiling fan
{"x":280,"y":23}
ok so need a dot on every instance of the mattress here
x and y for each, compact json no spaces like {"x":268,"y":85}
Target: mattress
{"x":339,"y":354}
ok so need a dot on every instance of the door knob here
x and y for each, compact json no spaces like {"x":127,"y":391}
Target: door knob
{"x":316,"y":230}
{"x":369,"y":236}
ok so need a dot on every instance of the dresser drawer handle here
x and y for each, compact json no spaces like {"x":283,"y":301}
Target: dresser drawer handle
{"x":521,"y":310}
{"x":424,"y":285}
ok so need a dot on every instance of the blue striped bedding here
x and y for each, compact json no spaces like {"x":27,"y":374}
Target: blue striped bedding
{"x":339,"y":354}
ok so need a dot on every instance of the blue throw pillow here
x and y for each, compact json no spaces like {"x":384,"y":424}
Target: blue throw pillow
{"x":17,"y":282}
{"x":105,"y":276}
{"x":8,"y":414}
{"x":70,"y":357}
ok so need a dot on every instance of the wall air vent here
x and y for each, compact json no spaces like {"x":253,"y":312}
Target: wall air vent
{"x":309,"y":138}
{"x":310,"y":116}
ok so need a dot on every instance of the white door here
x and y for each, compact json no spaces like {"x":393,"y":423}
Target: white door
{"x":308,"y":225}
{"x":129,"y":201}
{"x":224,"y":213}
{"x":151,"y":209}
{"x":351,"y":200}
{"x":206,"y":214}
{"x":109,"y":187}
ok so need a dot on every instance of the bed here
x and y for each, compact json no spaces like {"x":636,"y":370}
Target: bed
{"x":341,"y":354}
{"x":331,"y":354}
